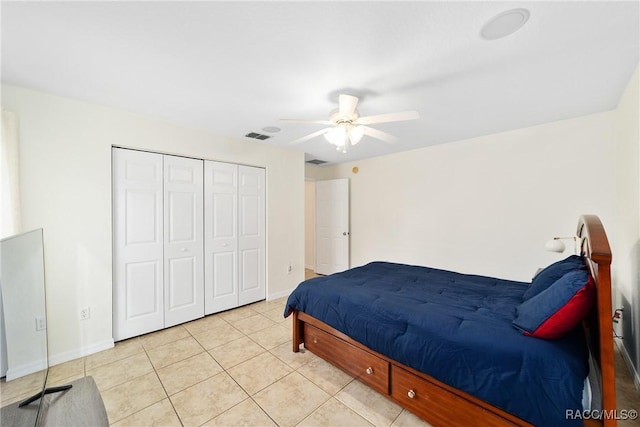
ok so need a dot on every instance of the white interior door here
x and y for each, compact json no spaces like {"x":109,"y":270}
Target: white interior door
{"x":221,"y":236}
{"x":251,"y":234}
{"x":137,"y":243}
{"x":332,"y":226}
{"x":183,"y":240}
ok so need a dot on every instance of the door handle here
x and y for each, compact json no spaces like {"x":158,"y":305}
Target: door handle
{"x":345,"y":233}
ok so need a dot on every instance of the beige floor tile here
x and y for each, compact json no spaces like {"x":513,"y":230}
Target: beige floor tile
{"x":334,"y":413}
{"x":369,"y":404}
{"x":264,"y":306}
{"x":276,"y":314}
{"x":288,"y":323}
{"x":130,"y":397}
{"x":72,"y":369}
{"x":187,"y":372}
{"x":121,"y":350}
{"x":259,"y":372}
{"x":163,"y":337}
{"x":159,"y":414}
{"x":235,"y":352}
{"x":310,"y":274}
{"x":173,"y":352}
{"x":407,"y":419}
{"x":291,"y":399}
{"x":285,"y":353}
{"x":21,"y":388}
{"x":63,"y":381}
{"x":251,"y":324}
{"x":271,"y":337}
{"x":238,"y":313}
{"x":218,"y":335}
{"x":202,"y":326}
{"x":208,"y":399}
{"x":325,"y":375}
{"x":120,"y":371}
{"x":244,"y":414}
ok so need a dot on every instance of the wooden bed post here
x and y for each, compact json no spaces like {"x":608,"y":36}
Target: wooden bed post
{"x":297,"y":332}
{"x":597,"y":249}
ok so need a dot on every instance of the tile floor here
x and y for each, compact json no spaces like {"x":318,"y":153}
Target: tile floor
{"x":230,"y":369}
{"x":235,"y":368}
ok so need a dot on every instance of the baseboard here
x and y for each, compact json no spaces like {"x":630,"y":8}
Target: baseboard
{"x":280,"y":294}
{"x":310,"y":267}
{"x":627,"y":360}
{"x":26,"y":369}
{"x":66,"y":356}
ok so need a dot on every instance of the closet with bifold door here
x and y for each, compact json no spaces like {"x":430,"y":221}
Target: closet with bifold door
{"x":188,"y":239}
{"x":234,"y":236}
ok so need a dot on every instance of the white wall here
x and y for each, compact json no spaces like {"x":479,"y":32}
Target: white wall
{"x":65,"y":149}
{"x":626,"y":252}
{"x":485,"y":205}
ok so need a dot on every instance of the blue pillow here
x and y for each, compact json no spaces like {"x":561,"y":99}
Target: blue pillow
{"x":559,"y":308}
{"x":550,"y":274}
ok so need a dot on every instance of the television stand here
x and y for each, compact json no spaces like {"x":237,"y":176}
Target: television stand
{"x":80,"y":406}
{"x":46,"y":391}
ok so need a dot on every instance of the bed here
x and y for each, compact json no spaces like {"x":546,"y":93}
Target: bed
{"x":443,"y":344}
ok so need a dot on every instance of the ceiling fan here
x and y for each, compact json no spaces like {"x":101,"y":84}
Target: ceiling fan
{"x":346,"y":125}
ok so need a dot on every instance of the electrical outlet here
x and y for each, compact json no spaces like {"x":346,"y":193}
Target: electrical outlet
{"x":85,"y":313}
{"x":617,"y":315}
{"x":41,"y":323}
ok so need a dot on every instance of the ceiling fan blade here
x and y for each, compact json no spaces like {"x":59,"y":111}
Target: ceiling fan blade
{"x":390,"y":117}
{"x":320,"y":122}
{"x":311,"y":135}
{"x":348,"y":105}
{"x":378,"y":134}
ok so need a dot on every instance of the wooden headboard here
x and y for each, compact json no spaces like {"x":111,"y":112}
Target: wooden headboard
{"x":598,"y":324}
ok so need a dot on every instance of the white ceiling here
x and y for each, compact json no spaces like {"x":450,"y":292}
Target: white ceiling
{"x":237,"y":67}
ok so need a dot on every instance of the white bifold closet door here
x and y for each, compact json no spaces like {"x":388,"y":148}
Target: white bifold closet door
{"x":157,"y":241}
{"x":183,"y":240}
{"x":138,"y":261}
{"x":251,"y":234}
{"x":234,"y":235}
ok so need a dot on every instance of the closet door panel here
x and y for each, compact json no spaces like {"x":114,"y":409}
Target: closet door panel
{"x":251,"y":234}
{"x":221,"y":236}
{"x":137,"y":243}
{"x":183,"y":242}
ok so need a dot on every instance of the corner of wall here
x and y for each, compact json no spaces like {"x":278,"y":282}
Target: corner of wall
{"x":626,"y":240}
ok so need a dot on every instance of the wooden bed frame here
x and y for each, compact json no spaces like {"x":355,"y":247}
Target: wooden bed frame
{"x":443,"y":405}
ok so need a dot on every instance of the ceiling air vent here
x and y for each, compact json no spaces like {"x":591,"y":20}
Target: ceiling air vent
{"x":316,"y":162}
{"x":259,"y":136}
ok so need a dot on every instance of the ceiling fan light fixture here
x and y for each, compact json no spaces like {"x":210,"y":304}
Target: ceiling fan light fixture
{"x":337,"y":136}
{"x":347,"y":127}
{"x":355,"y":134}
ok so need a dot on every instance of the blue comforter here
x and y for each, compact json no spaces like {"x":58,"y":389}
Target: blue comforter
{"x":456,"y":328}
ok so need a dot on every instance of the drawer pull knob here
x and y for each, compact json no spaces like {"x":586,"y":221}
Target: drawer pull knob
{"x":369,"y":371}
{"x":315,"y":340}
{"x":411,"y":394}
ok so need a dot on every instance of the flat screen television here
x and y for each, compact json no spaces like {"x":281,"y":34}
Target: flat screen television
{"x":23,"y":329}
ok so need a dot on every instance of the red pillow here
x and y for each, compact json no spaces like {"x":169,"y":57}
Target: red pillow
{"x":558,"y":309}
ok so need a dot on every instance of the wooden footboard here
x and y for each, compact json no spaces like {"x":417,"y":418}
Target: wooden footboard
{"x":443,"y":405}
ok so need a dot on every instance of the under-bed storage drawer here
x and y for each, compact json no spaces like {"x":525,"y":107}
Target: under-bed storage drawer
{"x":363,"y":365}
{"x":439,"y":406}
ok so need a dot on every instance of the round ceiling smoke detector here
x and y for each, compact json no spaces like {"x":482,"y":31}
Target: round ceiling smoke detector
{"x":271,"y":129}
{"x":504,"y":24}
